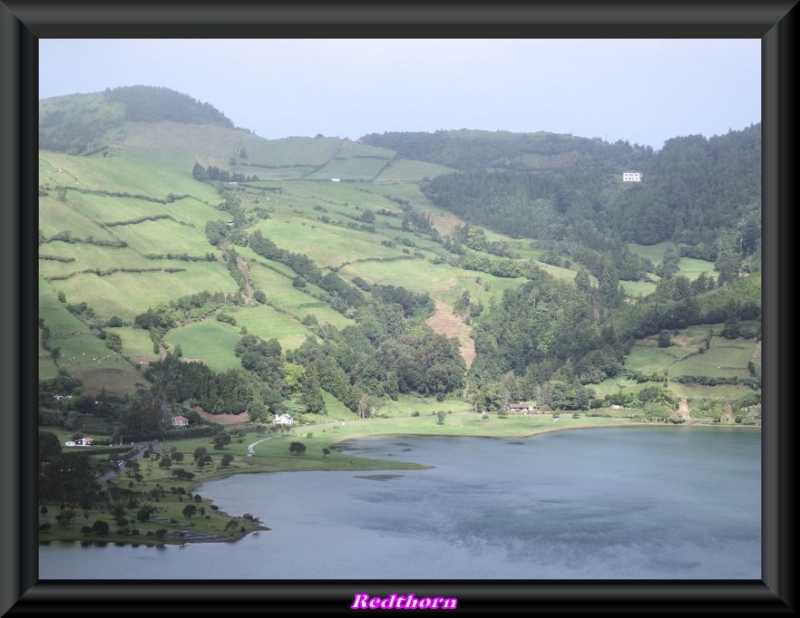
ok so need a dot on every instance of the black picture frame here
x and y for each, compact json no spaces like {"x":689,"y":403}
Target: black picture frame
{"x":24,"y":22}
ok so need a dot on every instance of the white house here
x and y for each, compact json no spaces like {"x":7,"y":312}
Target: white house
{"x":180,"y":421}
{"x":283,"y":419}
{"x":631,"y":177}
{"x":80,"y":442}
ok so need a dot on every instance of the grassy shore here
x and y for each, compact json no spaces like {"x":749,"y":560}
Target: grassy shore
{"x":153,"y":485}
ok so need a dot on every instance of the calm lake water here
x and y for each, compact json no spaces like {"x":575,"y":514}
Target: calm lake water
{"x":603,"y":503}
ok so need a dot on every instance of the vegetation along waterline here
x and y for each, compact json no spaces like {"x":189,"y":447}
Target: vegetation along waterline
{"x":161,"y":505}
{"x":202,"y":289}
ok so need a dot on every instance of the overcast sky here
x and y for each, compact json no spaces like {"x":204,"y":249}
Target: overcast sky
{"x":644,"y":91}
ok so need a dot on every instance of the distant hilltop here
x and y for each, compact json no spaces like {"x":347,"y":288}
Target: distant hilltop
{"x":80,"y":123}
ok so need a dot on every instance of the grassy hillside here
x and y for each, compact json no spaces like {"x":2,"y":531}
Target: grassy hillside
{"x":115,"y":239}
{"x":124,"y":230}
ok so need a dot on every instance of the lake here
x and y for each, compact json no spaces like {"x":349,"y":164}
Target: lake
{"x":601,"y":503}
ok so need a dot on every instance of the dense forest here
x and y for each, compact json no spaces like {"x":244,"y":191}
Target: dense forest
{"x":702,"y":194}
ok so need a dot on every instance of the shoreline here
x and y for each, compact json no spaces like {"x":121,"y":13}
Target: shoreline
{"x":215,"y":538}
{"x":542,"y":430}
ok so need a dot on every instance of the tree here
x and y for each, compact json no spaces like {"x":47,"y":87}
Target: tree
{"x":65,"y":516}
{"x":144,"y":513}
{"x":365,"y":406}
{"x":199,"y":172}
{"x":100,"y":527}
{"x":664,"y":339}
{"x":189,"y":510}
{"x":49,"y":446}
{"x":114,"y":342}
{"x":582,"y":280}
{"x":311,"y":395}
{"x":297,"y":448}
{"x":227,"y":458}
{"x":221,"y":440}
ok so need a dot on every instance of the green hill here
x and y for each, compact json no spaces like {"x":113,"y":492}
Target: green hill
{"x":206,"y":266}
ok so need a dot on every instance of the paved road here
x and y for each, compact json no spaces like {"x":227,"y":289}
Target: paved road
{"x":250,"y":451}
{"x":137,"y":455}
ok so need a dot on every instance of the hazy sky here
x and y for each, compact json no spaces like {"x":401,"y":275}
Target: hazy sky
{"x":644,"y":91}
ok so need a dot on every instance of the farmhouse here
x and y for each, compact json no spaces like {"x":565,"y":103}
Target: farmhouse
{"x":283,"y":419}
{"x":521,"y":407}
{"x":80,"y":442}
{"x":180,"y":421}
{"x":631,"y":177}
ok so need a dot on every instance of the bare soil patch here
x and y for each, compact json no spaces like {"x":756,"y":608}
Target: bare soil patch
{"x":224,"y":419}
{"x":683,"y":410}
{"x":249,"y":291}
{"x":445,"y":223}
{"x":445,"y":322}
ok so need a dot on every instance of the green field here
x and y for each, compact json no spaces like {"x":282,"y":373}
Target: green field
{"x":692,"y":268}
{"x":209,"y":341}
{"x":654,"y":253}
{"x":635,"y":289}
{"x":129,"y":294}
{"x":56,"y":217}
{"x":299,"y":303}
{"x":123,"y":173}
{"x":136,"y":342}
{"x":81,"y":352}
{"x":267,"y":323}
{"x":725,"y":358}
{"x":405,"y":170}
{"x":163,"y":236}
{"x":327,"y":245}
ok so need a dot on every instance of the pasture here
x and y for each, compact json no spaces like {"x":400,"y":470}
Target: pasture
{"x":121,"y":173}
{"x":635,"y":289}
{"x":692,"y":268}
{"x":129,"y":294}
{"x":405,"y":170}
{"x":327,"y":245}
{"x":136,"y":343}
{"x":163,"y":236}
{"x":654,"y":253}
{"x":209,"y":341}
{"x":81,"y":352}
{"x":299,"y":303}
{"x":56,"y":217}
{"x":267,"y":323}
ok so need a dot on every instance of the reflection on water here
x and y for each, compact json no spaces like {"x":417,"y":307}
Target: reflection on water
{"x":632,"y":503}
